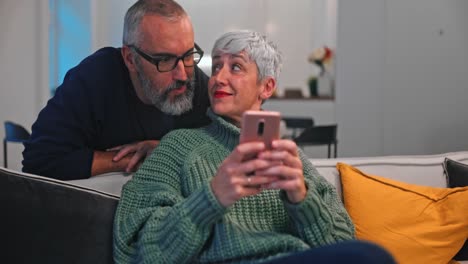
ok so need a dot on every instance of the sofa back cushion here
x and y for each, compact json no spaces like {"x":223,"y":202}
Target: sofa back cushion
{"x":51,"y":221}
{"x":424,"y":170}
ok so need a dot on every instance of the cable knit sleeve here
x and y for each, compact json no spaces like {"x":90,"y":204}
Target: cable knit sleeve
{"x":154,"y":222}
{"x":321,"y":218}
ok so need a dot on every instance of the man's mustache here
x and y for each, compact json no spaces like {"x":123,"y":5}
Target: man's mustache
{"x":177,"y":84}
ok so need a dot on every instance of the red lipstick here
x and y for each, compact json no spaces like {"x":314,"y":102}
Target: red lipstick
{"x":220,"y":94}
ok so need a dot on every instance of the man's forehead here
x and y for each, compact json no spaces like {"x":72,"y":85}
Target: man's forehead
{"x":162,"y":35}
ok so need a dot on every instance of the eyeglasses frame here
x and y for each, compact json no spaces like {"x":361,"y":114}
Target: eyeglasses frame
{"x":156,"y":58}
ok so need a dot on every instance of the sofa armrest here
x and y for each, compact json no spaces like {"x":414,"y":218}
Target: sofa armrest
{"x":51,"y":221}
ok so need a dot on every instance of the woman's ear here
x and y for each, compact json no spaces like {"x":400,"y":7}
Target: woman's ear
{"x":128,"y":58}
{"x":269,"y":87}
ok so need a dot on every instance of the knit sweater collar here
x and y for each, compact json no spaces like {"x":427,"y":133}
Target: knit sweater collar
{"x":223,"y":131}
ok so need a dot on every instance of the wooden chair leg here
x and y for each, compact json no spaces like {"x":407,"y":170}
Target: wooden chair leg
{"x":336,"y":146}
{"x":329,"y":150}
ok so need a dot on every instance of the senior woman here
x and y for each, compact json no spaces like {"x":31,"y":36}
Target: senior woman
{"x":193,"y":201}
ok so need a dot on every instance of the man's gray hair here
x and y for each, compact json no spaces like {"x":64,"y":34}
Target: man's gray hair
{"x":260,"y":50}
{"x":165,"y":8}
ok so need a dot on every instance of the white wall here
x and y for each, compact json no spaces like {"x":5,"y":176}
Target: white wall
{"x":360,"y":55}
{"x":108,"y":17}
{"x":402,"y":76}
{"x":23,"y":66}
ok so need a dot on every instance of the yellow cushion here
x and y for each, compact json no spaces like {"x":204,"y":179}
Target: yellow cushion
{"x":417,"y":224}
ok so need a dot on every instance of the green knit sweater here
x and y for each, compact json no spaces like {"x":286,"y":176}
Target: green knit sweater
{"x":169,"y":214}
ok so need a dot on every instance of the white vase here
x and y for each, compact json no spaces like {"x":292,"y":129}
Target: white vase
{"x":326,"y":85}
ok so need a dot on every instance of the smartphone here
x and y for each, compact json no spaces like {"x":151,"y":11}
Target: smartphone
{"x":260,"y":126}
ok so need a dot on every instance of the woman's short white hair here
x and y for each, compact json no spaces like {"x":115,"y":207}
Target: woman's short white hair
{"x":260,"y":50}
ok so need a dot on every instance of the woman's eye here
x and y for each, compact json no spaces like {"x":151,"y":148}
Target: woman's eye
{"x":215,"y":68}
{"x":236,"y":67}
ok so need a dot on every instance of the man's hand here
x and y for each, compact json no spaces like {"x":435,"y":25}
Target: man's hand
{"x":140,"y":151}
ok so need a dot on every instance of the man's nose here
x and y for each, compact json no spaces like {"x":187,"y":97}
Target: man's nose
{"x":179,"y":72}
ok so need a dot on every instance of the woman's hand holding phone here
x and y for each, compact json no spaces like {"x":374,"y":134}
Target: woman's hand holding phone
{"x":260,"y":161}
{"x":288,"y":172}
{"x":284,"y":165}
{"x":233,"y":181}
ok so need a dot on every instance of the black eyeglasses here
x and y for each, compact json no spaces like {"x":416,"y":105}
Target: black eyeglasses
{"x":165,"y":62}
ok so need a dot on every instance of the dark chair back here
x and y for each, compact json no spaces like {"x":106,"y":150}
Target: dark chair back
{"x":319,"y":135}
{"x":13,"y":133}
{"x":297,"y":124}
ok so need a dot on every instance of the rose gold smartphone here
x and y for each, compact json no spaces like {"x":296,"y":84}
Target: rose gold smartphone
{"x":260,"y":126}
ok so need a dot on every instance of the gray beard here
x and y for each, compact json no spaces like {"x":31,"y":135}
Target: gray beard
{"x":160,"y":98}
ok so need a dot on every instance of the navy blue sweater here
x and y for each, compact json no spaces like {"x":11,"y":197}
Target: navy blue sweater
{"x":96,"y":108}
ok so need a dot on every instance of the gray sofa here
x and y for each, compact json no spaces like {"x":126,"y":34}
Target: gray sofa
{"x":51,"y":221}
